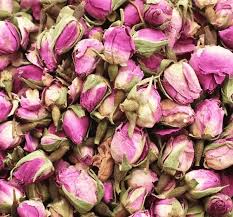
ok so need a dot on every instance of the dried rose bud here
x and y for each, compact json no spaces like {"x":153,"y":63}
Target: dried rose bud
{"x":74,"y":90}
{"x":29,"y":75}
{"x":7,"y":5}
{"x":218,"y":205}
{"x":9,"y":193}
{"x":176,"y":115}
{"x":142,"y":178}
{"x":218,"y":155}
{"x":195,"y":211}
{"x":85,"y":154}
{"x":35,"y":208}
{"x":158,"y":12}
{"x":227,"y":92}
{"x":123,"y":146}
{"x":208,"y":121}
{"x":31,"y":143}
{"x":108,"y":192}
{"x":167,"y":208}
{"x":225,"y":36}
{"x":202,"y":183}
{"x":95,"y":88}
{"x":98,"y":9}
{"x":5,"y":106}
{"x":5,"y":60}
{"x":75,"y":118}
{"x":181,"y":83}
{"x":174,"y":27}
{"x":32,"y":168}
{"x":151,"y":64}
{"x":128,"y":76}
{"x":85,"y":56}
{"x":227,"y":181}
{"x":30,"y":100}
{"x":83,"y":189}
{"x":118,"y":45}
{"x":8,"y":135}
{"x":9,"y":38}
{"x":148,"y":41}
{"x":60,"y":208}
{"x":133,"y":12}
{"x":212,"y":64}
{"x":25,"y":26}
{"x":133,"y":199}
{"x":204,"y":3}
{"x":181,"y":149}
{"x":144,"y":213}
{"x":35,"y":6}
{"x":142,"y":106}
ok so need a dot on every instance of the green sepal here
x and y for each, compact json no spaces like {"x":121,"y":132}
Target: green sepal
{"x":147,"y":48}
{"x":125,"y":165}
{"x":196,"y":210}
{"x":117,"y":3}
{"x":227,"y":92}
{"x":93,"y":80}
{"x":94,"y":22}
{"x":78,"y":110}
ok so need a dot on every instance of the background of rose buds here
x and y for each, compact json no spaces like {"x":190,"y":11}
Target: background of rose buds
{"x":116,"y":108}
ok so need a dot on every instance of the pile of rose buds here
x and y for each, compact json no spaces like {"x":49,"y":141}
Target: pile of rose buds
{"x":116,"y":108}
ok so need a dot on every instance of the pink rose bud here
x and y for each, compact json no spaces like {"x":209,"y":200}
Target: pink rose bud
{"x":75,"y":124}
{"x":35,"y":208}
{"x":8,"y":193}
{"x":74,"y":90}
{"x":123,"y":146}
{"x":96,"y":32}
{"x":44,"y":46}
{"x":35,"y":6}
{"x":25,"y":26}
{"x":176,"y":115}
{"x":202,"y":183}
{"x":55,"y":94}
{"x":225,"y":36}
{"x":174,"y":27}
{"x":53,"y":139}
{"x":8,"y":135}
{"x":85,"y":154}
{"x":30,"y":100}
{"x":144,"y":213}
{"x":223,"y":14}
{"x":181,"y":83}
{"x":142,"y":106}
{"x":158,"y":13}
{"x":212,"y":64}
{"x":195,"y":210}
{"x":99,"y":9}
{"x":32,"y":168}
{"x":27,"y":75}
{"x":133,"y":199}
{"x":85,"y":57}
{"x":218,"y":155}
{"x":94,"y":90}
{"x":5,"y":106}
{"x":189,"y":28}
{"x":83,"y":189}
{"x":142,"y":178}
{"x":133,"y":13}
{"x":151,"y":64}
{"x":128,"y":76}
{"x":9,"y":38}
{"x":148,"y":41}
{"x":184,"y":46}
{"x":181,"y":149}
{"x":31,"y":143}
{"x":218,"y":205}
{"x":227,"y":181}
{"x":167,"y":208}
{"x":118,"y":45}
{"x":108,"y":192}
{"x":208,"y":121}
{"x":109,"y":107}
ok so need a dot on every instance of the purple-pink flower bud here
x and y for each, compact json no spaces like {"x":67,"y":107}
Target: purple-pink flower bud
{"x":5,"y":106}
{"x":108,"y":192}
{"x":225,"y":36}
